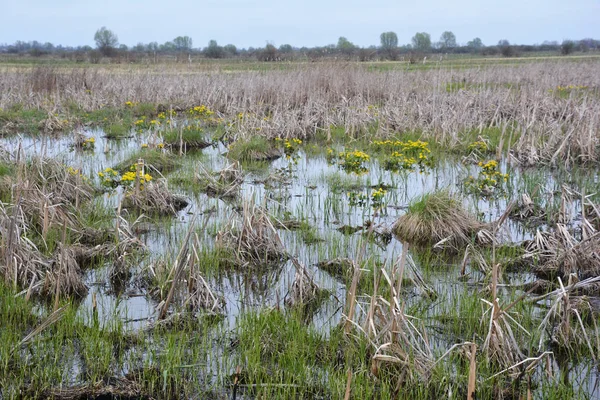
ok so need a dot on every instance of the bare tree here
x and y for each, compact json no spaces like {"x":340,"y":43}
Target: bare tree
{"x":389,"y":44}
{"x":447,"y":40}
{"x":106,"y":41}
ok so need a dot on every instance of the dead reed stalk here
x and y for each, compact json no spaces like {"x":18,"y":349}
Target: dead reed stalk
{"x":251,"y":240}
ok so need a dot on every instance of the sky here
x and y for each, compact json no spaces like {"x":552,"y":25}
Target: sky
{"x":247,"y":23}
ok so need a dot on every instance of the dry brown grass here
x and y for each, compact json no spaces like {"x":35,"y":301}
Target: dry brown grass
{"x":434,"y":218}
{"x":154,"y":198}
{"x":560,"y":251}
{"x":184,"y":281}
{"x":399,"y":341}
{"x":21,"y":264}
{"x":564,"y":323}
{"x":223,"y":184}
{"x":307,"y":99}
{"x":251,"y":240}
{"x":46,"y":195}
{"x":304,"y":291}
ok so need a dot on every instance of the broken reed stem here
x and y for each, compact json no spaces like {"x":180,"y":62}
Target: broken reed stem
{"x":118,"y":222}
{"x":494,"y":281}
{"x":472,"y":373}
{"x":180,"y":141}
{"x":182,"y":259}
{"x":45,"y":221}
{"x":351,"y":299}
{"x":52,"y":318}
{"x":348,"y":384}
{"x":400,"y":274}
{"x":139,"y":172}
{"x":60,"y":266}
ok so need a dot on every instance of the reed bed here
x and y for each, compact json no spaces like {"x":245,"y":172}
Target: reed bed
{"x":303,"y":101}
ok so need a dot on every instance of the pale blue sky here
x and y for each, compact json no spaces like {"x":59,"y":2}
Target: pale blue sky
{"x":300,"y":23}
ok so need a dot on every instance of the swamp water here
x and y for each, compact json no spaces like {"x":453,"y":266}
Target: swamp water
{"x":307,"y":189}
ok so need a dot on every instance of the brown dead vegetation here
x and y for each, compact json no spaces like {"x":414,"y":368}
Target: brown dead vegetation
{"x":154,"y":198}
{"x":251,"y":239}
{"x":304,"y":100}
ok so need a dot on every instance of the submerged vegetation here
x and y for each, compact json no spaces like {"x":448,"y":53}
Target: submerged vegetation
{"x":291,"y":235}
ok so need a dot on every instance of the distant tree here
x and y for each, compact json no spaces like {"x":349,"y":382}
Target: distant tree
{"x":421,"y":41}
{"x":567,"y":47}
{"x":345,"y":46}
{"x":447,"y":40}
{"x":368,"y":54}
{"x":269,"y":53}
{"x":139,"y":48}
{"x":167,"y":47}
{"x":587,"y":44}
{"x":549,"y":45}
{"x":183,"y":43}
{"x":152,"y":47}
{"x":213,"y":50}
{"x":475,"y":44}
{"x":388,"y":40}
{"x":505,"y":48}
{"x":285,"y":48}
{"x":106,"y":41}
{"x":123,"y":47}
{"x":389,"y":44}
{"x":230,"y":49}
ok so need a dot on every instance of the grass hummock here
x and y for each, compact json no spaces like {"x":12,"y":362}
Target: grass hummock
{"x":435,"y":217}
{"x":256,"y":148}
{"x":189,"y":137}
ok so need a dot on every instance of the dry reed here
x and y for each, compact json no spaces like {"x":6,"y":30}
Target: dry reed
{"x":306,"y":99}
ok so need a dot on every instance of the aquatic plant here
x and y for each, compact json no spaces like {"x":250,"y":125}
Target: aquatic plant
{"x":489,"y":180}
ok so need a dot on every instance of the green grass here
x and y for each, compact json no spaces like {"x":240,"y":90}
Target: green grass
{"x":456,"y":86}
{"x":6,"y":169}
{"x":18,"y":119}
{"x":117,"y":131}
{"x":256,"y":148}
{"x":290,"y":360}
{"x":161,"y":161}
{"x":190,"y":137}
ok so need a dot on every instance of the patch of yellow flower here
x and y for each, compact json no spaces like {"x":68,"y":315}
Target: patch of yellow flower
{"x":377,"y":197}
{"x":129,"y":177}
{"x":490,"y":179}
{"x":478,"y":146}
{"x":201,"y":111}
{"x":89,"y":143}
{"x":405,"y":154}
{"x":353,"y":161}
{"x":73,"y":171}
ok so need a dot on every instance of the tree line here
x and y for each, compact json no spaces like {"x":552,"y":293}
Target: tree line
{"x":107,"y":45}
